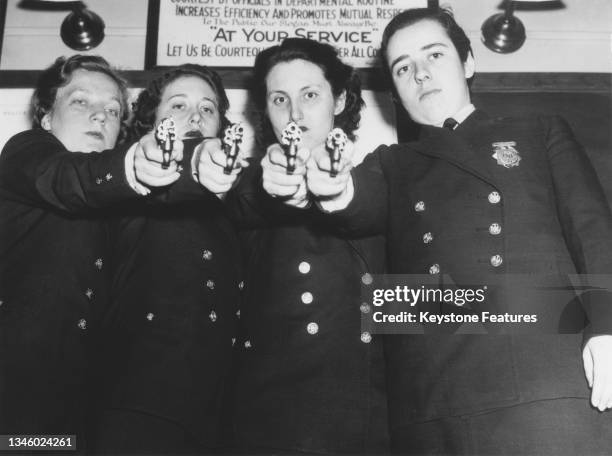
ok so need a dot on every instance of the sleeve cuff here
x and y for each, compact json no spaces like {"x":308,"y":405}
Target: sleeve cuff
{"x":130,"y":172}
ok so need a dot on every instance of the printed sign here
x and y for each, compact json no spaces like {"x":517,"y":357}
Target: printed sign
{"x":232,"y":32}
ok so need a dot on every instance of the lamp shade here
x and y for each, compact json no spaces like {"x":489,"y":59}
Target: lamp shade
{"x":82,"y":29}
{"x":534,"y":5}
{"x":503,"y":33}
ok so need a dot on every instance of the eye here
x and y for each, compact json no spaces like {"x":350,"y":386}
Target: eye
{"x":435,"y":55}
{"x":311,"y":95}
{"x":113,"y":112}
{"x":402,"y":70}
{"x":279,"y":100}
{"x":206,"y":109}
{"x":79,"y":102}
{"x":178,"y":106}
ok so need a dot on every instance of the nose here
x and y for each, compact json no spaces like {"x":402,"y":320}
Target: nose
{"x":296,"y":111}
{"x":195,"y":119}
{"x":421,"y":72}
{"x":99,"y":115}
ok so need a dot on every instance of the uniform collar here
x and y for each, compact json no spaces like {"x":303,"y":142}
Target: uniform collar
{"x":462,"y":114}
{"x":456,"y":146}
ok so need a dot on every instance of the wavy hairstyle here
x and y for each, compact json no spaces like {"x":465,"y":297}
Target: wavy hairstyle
{"x":59,"y":75}
{"x":341,"y":77}
{"x":148,"y":100}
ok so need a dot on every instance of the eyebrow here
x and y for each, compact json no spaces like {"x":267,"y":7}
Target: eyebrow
{"x":184,"y":95}
{"x":424,"y":48}
{"x":306,"y":87}
{"x":88,"y":91}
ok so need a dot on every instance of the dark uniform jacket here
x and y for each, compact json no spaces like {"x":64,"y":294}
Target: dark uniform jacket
{"x":53,"y":277}
{"x":176,"y":292}
{"x":448,"y":206}
{"x":308,"y":378}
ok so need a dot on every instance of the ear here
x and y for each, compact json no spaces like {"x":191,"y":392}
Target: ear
{"x":45,"y":122}
{"x":468,"y":66}
{"x":340,"y":103}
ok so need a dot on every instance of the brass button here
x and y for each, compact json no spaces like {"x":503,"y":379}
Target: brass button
{"x":307,"y":297}
{"x":496,"y":261}
{"x":312,"y":328}
{"x":495,"y":229}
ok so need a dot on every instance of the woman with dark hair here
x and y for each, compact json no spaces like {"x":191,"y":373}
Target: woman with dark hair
{"x":176,"y":288}
{"x":308,"y":379}
{"x":57,"y":182}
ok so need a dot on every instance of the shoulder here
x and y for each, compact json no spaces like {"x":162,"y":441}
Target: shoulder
{"x":531,"y":122}
{"x":31,"y":139}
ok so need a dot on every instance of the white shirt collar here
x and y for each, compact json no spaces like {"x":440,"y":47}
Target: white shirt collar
{"x":462,"y":114}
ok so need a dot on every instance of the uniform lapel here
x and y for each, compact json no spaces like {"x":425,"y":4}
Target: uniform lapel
{"x":459,"y":146}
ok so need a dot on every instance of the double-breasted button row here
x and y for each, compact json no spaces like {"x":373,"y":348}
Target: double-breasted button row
{"x":304,"y":268}
{"x":213,"y":316}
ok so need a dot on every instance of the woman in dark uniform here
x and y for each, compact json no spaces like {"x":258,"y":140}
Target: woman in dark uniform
{"x":55,"y":182}
{"x":308,"y":379}
{"x":176,"y":289}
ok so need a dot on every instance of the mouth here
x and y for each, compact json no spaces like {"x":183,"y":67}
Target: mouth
{"x":96,"y":135}
{"x":428,"y":93}
{"x":193,"y":134}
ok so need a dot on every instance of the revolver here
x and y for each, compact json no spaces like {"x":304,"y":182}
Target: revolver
{"x":231,"y":145}
{"x":165,"y":134}
{"x":291,"y":138}
{"x":335,"y":144}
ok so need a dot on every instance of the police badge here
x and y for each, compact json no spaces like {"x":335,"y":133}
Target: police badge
{"x":505,"y":154}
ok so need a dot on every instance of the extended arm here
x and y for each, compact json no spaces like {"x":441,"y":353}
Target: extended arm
{"x":586,"y":220}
